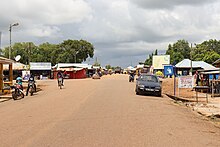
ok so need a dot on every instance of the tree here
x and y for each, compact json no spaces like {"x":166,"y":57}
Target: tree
{"x":179,"y":51}
{"x":66,"y":52}
{"x":211,"y":57}
{"x":77,"y":50}
{"x":108,"y":66}
{"x":24,"y":49}
{"x":149,"y":60}
{"x":207,"y":51}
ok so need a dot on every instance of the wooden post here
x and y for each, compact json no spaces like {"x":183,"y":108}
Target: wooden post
{"x":212,"y":88}
{"x":10,"y":74}
{"x":1,"y":77}
{"x":197,"y":100}
{"x":207,"y":96}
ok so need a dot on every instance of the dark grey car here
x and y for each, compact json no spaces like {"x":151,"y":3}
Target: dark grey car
{"x":148,"y":84}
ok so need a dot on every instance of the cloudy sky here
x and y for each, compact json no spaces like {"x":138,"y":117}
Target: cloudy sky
{"x":123,"y":32}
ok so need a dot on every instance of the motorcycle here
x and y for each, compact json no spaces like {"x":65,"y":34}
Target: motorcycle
{"x":31,"y":89}
{"x":17,"y":92}
{"x":60,"y":82}
{"x":131,"y":78}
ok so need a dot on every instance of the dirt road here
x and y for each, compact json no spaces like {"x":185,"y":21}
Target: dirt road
{"x":101,"y":113}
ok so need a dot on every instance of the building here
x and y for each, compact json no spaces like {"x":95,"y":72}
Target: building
{"x":10,"y":79}
{"x":184,"y":67}
{"x":41,"y":70}
{"x":73,"y":70}
{"x":17,"y":68}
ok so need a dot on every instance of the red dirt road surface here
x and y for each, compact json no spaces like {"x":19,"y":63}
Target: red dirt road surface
{"x":101,"y":113}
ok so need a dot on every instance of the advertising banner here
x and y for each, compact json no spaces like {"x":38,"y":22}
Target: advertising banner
{"x":185,"y":82}
{"x":40,"y":66}
{"x":160,"y":60}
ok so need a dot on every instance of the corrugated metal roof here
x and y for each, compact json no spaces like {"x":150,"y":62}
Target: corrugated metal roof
{"x":186,"y":63}
{"x":68,"y":65}
{"x":6,"y":60}
{"x":16,"y":66}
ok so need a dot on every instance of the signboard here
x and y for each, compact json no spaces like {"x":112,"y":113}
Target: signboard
{"x":40,"y":66}
{"x":160,"y":60}
{"x":185,"y":82}
{"x":26,"y":75}
{"x":168,"y":70}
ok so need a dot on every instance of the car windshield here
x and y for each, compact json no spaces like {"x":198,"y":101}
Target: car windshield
{"x":148,"y":78}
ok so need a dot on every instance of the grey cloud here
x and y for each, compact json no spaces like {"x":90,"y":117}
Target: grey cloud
{"x":168,"y":4}
{"x":121,"y":32}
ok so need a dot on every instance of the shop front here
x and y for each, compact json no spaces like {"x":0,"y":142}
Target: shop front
{"x":41,"y":70}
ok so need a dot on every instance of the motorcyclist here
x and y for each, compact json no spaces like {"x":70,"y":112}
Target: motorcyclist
{"x":19,"y":81}
{"x":31,"y":80}
{"x":131,"y":77}
{"x":60,"y":75}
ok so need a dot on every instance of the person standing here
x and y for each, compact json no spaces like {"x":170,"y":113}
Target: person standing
{"x":197,"y":77}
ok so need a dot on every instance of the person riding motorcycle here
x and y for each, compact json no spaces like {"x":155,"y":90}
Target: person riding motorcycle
{"x":60,"y":75}
{"x":31,"y":80}
{"x":131,"y":76}
{"x":19,"y":81}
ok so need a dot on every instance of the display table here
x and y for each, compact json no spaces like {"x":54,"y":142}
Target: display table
{"x":198,"y":88}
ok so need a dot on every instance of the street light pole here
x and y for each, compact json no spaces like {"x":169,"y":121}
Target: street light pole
{"x":191,"y":60}
{"x":10,"y":29}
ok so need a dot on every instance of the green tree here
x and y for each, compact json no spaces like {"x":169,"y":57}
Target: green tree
{"x":76,"y":50}
{"x":211,"y":57}
{"x":24,"y":49}
{"x":179,"y":51}
{"x":108,"y":66}
{"x":149,"y":60}
{"x":66,"y":52}
{"x":207,"y":51}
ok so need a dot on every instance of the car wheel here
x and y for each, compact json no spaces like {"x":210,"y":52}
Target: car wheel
{"x":136,"y":91}
{"x":159,"y":94}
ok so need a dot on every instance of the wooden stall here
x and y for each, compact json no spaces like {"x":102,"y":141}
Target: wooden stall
{"x":10,"y":81}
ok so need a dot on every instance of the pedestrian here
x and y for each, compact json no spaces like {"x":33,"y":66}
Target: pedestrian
{"x":197,"y":76}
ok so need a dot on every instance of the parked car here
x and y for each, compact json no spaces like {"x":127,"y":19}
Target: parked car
{"x":118,"y":70}
{"x":148,"y":84}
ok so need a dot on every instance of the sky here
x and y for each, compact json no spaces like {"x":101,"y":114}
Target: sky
{"x":123,"y":32}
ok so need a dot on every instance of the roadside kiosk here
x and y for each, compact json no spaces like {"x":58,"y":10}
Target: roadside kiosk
{"x":10,"y":82}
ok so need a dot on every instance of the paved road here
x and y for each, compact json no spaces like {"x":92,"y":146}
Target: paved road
{"x":101,"y":113}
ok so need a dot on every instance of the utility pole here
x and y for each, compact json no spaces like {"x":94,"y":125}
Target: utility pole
{"x":10,"y":29}
{"x":0,"y":40}
{"x":29,"y":52}
{"x":191,"y":70}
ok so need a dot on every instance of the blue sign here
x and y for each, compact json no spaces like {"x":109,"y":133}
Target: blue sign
{"x":168,"y":70}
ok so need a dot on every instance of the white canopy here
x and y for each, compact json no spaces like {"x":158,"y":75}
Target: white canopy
{"x":131,"y":68}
